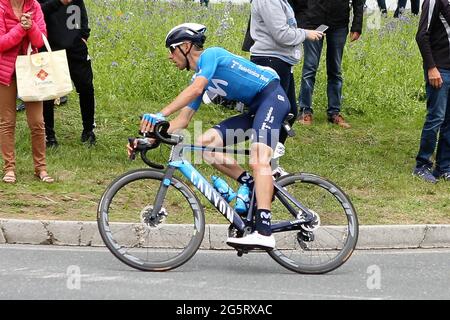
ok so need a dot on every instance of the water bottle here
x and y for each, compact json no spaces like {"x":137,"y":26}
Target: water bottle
{"x":223,"y":188}
{"x":243,"y":199}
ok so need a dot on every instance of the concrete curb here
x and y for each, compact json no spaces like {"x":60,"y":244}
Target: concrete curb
{"x":85,"y":233}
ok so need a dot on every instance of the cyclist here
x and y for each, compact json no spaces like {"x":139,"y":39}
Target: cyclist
{"x":234,"y":78}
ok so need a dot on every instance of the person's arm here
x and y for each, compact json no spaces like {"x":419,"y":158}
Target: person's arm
{"x":274,"y":18}
{"x":357,"y":23}
{"x":182,"y":120}
{"x":38,"y":28}
{"x":441,"y":8}
{"x":427,"y":18}
{"x":85,"y":31}
{"x":11,"y":38}
{"x":192,"y":92}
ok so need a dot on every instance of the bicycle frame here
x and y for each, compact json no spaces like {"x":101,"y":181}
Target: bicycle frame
{"x":178,"y":162}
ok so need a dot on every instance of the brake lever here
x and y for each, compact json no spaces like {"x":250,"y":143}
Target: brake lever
{"x":132,"y":155}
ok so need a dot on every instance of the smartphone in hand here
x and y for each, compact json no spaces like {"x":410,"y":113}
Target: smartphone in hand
{"x":322,"y":28}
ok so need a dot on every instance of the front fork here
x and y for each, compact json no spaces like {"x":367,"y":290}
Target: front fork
{"x":162,"y":191}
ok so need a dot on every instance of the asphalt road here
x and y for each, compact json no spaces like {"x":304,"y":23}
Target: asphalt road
{"x":54,"y":272}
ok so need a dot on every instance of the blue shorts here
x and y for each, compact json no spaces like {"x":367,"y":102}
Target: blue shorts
{"x":262,"y":123}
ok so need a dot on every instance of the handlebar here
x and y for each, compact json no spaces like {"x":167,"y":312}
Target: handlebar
{"x":142,"y":146}
{"x":159,"y":135}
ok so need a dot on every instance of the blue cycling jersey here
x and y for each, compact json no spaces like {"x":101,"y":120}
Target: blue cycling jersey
{"x":231,"y":76}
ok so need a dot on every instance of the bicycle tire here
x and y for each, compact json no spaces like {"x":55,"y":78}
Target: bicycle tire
{"x":339,"y":221}
{"x":129,"y":238}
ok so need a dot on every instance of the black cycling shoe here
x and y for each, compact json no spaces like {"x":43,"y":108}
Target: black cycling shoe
{"x":89,"y":137}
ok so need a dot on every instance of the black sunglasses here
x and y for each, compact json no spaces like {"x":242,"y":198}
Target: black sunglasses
{"x":172,"y":48}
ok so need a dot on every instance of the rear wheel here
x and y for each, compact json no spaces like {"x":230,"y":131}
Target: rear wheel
{"x":157,"y":242}
{"x":331,"y":242}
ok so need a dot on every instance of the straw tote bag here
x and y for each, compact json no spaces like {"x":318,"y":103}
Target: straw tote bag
{"x":44,"y":75}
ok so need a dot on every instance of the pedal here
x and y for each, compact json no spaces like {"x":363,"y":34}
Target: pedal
{"x":240,"y":252}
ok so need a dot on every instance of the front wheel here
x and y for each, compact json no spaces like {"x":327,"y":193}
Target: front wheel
{"x":331,"y":244}
{"x":141,"y":238}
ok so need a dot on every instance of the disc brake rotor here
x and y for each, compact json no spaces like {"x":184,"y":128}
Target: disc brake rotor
{"x":150,"y":220}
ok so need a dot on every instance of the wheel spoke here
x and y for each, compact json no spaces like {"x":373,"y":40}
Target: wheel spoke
{"x":331,"y":243}
{"x":157,"y":245}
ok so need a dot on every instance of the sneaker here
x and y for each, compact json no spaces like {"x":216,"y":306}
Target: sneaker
{"x":425,"y":174}
{"x":306,"y":119}
{"x":20,"y":106}
{"x":51,"y":142}
{"x":89,"y":137}
{"x":254,"y":240}
{"x":444,"y":176}
{"x":339,"y":120}
{"x":63,"y":100}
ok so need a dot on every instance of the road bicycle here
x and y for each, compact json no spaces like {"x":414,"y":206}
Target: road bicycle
{"x":152,"y":220}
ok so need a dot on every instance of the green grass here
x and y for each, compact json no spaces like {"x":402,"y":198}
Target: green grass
{"x":372,"y":162}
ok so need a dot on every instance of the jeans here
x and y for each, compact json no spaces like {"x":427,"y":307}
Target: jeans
{"x":415,"y":7}
{"x":284,"y":71}
{"x":336,"y":39}
{"x":437,"y":122}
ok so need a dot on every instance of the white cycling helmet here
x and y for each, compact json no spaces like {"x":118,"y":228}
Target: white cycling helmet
{"x":192,"y":32}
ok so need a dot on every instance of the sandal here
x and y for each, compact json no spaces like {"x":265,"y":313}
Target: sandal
{"x":44,"y":177}
{"x":9,"y":177}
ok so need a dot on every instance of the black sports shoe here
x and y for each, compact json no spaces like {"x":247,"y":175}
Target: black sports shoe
{"x":89,"y":137}
{"x":20,"y":106}
{"x":445,"y":176}
{"x":63,"y":100}
{"x":51,"y":142}
{"x":425,"y":174}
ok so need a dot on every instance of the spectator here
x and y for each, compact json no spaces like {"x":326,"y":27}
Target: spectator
{"x":434,"y":45}
{"x":381,"y":5}
{"x":21,"y":22}
{"x":64,"y":33}
{"x":277,"y":41}
{"x":383,"y":8}
{"x":401,"y":5}
{"x":336,"y":15}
